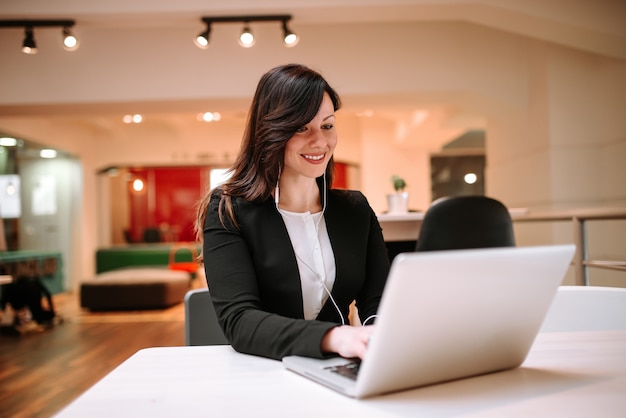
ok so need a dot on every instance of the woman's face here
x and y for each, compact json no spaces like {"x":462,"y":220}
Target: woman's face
{"x":307,"y":152}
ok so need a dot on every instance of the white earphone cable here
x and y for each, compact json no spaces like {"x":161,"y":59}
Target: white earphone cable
{"x":315,"y":272}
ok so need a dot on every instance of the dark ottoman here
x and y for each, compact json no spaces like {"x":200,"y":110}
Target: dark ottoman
{"x":134,"y":289}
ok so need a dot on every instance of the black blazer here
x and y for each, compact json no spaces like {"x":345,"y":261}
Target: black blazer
{"x":253,"y":275}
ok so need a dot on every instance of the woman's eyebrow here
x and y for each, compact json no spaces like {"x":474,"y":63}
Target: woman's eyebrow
{"x":329,"y":116}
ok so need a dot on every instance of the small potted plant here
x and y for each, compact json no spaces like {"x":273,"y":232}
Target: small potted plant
{"x":398,"y":202}
{"x":398,"y":183}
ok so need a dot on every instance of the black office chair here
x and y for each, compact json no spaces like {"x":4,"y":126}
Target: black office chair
{"x":128,"y":236}
{"x":459,"y":222}
{"x":151,"y":234}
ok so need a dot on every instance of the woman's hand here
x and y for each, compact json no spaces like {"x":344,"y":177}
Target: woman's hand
{"x":347,"y":341}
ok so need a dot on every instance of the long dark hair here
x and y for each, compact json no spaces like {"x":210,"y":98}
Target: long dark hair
{"x":287,"y":98}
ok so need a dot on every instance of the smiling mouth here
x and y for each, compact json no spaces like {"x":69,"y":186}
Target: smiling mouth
{"x":314,"y":158}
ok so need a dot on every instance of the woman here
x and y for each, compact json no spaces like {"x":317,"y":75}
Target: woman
{"x":284,"y":254}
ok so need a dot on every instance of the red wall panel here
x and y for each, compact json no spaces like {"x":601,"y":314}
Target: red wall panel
{"x":169,"y":197}
{"x":340,"y":178}
{"x":168,"y":200}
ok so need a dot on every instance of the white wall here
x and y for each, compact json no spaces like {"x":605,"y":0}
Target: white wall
{"x":556,"y":136}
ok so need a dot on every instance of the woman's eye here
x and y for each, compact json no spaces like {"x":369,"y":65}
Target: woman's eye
{"x":328,"y":126}
{"x":302,"y":129}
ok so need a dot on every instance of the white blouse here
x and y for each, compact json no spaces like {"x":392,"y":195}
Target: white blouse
{"x":314,"y":254}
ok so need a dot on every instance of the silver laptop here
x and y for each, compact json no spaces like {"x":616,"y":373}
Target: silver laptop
{"x":447,"y":315}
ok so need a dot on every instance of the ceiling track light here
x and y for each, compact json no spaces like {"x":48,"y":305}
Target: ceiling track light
{"x":29,"y":46}
{"x":246,"y":39}
{"x":70,"y":42}
{"x":289,"y":38}
{"x":202,"y":39}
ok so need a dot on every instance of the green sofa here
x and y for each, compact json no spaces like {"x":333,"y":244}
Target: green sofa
{"x":135,"y":255}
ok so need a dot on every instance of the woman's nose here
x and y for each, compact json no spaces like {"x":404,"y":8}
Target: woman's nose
{"x":317,"y":138}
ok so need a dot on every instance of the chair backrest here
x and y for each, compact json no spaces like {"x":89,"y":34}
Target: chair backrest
{"x":201,"y":326}
{"x":460,"y":222}
{"x":152,"y":235}
{"x":128,"y":236}
{"x":586,"y":308}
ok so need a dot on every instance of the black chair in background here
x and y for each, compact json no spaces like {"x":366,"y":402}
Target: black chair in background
{"x":152,"y":235}
{"x":460,"y":222}
{"x":128,"y":237}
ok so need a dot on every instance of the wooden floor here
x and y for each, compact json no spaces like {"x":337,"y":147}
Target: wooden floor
{"x":42,"y":371}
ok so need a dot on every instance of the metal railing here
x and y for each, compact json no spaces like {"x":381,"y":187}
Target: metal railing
{"x":579,"y":219}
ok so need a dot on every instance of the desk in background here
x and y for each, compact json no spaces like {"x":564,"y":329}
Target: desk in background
{"x":565,"y":374}
{"x":400,"y":232}
{"x":404,"y":227}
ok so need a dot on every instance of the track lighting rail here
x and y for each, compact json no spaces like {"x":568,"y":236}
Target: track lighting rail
{"x":246,"y":18}
{"x":246,"y":38}
{"x":16,"y":23}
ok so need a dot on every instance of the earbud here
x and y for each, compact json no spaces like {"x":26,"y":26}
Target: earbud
{"x":277,"y":189}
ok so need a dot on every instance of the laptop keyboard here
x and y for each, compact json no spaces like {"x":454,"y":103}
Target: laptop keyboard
{"x":349,"y":370}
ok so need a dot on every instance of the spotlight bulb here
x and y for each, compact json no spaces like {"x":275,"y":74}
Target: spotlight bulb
{"x":70,"y":42}
{"x":246,"y":39}
{"x":29,"y":46}
{"x":289,"y":38}
{"x":202,"y":39}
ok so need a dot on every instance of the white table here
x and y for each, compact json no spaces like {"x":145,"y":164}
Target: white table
{"x":401,"y":227}
{"x":566,"y":374}
{"x":407,"y":226}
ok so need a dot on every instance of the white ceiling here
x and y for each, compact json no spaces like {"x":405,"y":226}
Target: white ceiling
{"x":593,"y":26}
{"x":597,"y":25}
